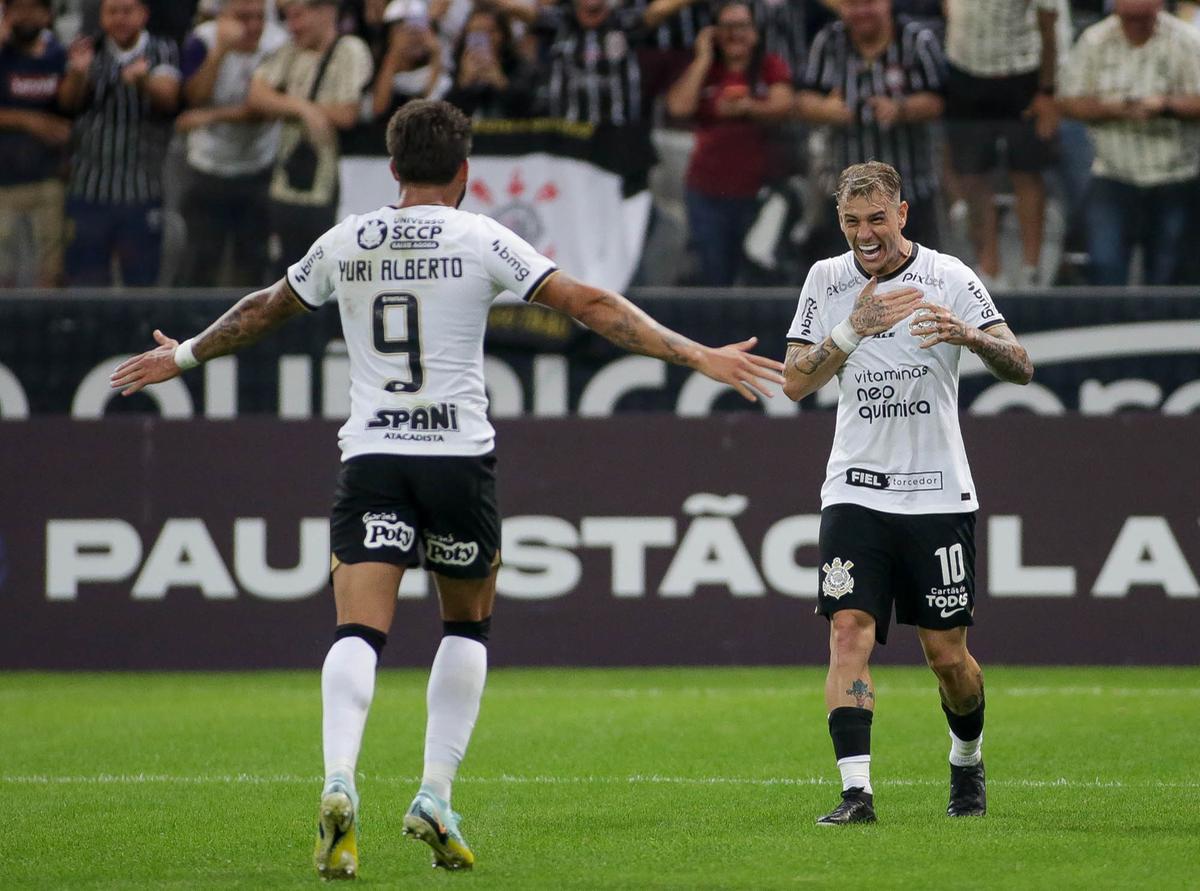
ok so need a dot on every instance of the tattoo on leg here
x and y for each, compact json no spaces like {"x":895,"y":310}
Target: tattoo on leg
{"x":862,"y":693}
{"x":964,"y":706}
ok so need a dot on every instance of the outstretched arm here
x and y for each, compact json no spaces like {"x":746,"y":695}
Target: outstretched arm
{"x":246,"y":322}
{"x":615,"y":318}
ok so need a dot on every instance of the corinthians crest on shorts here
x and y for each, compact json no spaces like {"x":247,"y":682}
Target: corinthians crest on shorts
{"x":838,"y":581}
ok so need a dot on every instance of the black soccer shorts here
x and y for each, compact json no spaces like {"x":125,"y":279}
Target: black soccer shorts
{"x":923,"y":563}
{"x":435,"y":511}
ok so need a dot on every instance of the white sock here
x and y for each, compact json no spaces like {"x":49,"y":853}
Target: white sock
{"x":856,"y":772}
{"x":965,"y":752}
{"x":347,"y":685}
{"x":455,"y":688}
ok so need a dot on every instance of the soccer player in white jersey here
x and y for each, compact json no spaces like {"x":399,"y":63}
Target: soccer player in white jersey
{"x":413,"y":282}
{"x":890,"y":318}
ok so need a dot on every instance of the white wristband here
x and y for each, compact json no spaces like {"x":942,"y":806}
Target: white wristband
{"x":846,"y":338}
{"x":183,"y":355}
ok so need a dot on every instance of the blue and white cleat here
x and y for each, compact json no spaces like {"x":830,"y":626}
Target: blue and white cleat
{"x":429,"y":819}
{"x":336,"y":853}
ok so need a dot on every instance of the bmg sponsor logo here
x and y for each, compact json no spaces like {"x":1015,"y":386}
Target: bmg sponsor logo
{"x":386,"y":530}
{"x":520,"y":270}
{"x":445,"y":550}
{"x":307,"y":264}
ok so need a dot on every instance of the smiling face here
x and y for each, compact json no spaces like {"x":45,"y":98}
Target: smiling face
{"x":872,"y":224}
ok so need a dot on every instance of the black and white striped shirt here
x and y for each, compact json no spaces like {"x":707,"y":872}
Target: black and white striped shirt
{"x":593,"y":73}
{"x":912,"y":63}
{"x":1105,"y":65}
{"x":120,"y":141}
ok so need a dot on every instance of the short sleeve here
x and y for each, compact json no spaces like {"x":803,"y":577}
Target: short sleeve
{"x":808,"y":325}
{"x":511,"y":261}
{"x":349,"y":71}
{"x":1076,"y":79}
{"x":194,"y":53}
{"x":970,"y":299}
{"x":273,"y":69}
{"x":312,"y":278}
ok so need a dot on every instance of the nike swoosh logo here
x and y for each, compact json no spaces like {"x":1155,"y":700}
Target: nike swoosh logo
{"x":946,"y":615}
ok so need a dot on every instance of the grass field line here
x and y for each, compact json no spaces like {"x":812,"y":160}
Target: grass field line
{"x":120,"y":779}
{"x":791,"y":692}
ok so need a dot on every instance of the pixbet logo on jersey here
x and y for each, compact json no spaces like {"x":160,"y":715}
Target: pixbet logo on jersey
{"x":387,"y":530}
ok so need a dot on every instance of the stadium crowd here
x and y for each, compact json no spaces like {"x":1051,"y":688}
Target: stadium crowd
{"x":121,"y":120}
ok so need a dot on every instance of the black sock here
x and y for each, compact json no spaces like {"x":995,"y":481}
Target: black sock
{"x":966,"y":727}
{"x":850,"y":728}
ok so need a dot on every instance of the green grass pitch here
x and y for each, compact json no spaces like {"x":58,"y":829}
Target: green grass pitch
{"x":672,"y":778}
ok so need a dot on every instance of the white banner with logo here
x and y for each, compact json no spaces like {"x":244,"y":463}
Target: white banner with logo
{"x":569,"y":210}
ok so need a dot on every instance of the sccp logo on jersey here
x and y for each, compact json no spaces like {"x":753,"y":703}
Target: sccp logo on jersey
{"x":411,"y":234}
{"x":372,"y":234}
{"x":386,"y":530}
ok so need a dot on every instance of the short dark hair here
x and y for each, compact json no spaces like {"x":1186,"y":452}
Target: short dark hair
{"x":428,"y":141}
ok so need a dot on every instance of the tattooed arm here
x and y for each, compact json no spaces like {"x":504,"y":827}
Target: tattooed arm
{"x":613,"y":317}
{"x":808,"y":367}
{"x":246,"y":322}
{"x":997,"y":346}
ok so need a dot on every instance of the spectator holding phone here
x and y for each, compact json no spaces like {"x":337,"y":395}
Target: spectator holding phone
{"x":734,"y":91}
{"x":491,"y":78}
{"x":412,"y":67}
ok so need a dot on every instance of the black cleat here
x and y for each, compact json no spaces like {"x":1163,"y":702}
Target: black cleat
{"x":857,"y":807}
{"x":968,"y":791}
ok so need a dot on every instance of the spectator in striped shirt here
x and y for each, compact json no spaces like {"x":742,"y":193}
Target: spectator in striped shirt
{"x":877,"y":83}
{"x":1000,"y":93}
{"x":735,"y":91}
{"x":1134,"y":77}
{"x":124,"y":84}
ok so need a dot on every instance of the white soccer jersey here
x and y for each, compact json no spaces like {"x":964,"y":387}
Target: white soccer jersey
{"x":413,"y":287}
{"x":897,"y":447}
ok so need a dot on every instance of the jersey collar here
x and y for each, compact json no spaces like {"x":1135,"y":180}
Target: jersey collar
{"x":895,"y":272}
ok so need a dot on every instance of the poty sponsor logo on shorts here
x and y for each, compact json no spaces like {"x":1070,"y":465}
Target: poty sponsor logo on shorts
{"x":445,"y":550}
{"x":923,"y":481}
{"x":386,"y":530}
{"x":838,"y":582}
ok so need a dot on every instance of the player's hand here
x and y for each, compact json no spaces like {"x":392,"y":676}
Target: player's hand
{"x":151,"y":367}
{"x":875,"y":313}
{"x":746,"y":372}
{"x":936,"y":324}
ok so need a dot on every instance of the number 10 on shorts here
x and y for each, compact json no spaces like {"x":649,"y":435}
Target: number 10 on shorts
{"x":954,"y":569}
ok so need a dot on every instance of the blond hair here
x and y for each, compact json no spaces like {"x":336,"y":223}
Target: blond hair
{"x":867,"y":179}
